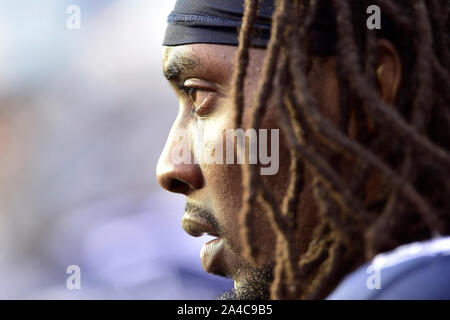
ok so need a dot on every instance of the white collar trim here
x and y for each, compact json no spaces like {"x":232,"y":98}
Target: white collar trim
{"x":435,"y":247}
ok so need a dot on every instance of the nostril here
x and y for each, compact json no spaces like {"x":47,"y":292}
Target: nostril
{"x":179,"y":178}
{"x":178,"y":186}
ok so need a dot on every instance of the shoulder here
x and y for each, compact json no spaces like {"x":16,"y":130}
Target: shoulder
{"x":419,"y":270}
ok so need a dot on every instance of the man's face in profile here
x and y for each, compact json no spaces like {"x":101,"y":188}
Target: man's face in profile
{"x":201,"y":76}
{"x":361,"y":153}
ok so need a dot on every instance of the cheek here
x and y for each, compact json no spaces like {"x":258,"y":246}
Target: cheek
{"x":226,"y":191}
{"x":224,"y":185}
{"x":222,"y":181}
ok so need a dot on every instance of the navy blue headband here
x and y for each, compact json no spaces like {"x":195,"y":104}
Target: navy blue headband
{"x":218,"y":22}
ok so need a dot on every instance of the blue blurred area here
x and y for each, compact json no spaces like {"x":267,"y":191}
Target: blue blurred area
{"x":84,"y":115}
{"x":126,"y":248}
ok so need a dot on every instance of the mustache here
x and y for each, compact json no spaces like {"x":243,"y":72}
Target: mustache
{"x":203,"y":213}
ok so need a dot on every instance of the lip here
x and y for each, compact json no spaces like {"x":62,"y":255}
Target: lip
{"x":196,"y":226}
{"x":212,"y":254}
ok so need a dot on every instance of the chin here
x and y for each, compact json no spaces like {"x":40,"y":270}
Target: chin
{"x":255,"y":286}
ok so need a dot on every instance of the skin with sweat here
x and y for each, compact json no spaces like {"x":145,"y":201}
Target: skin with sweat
{"x":201,"y":76}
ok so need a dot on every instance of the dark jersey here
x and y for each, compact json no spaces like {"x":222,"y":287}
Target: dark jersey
{"x":417,"y":271}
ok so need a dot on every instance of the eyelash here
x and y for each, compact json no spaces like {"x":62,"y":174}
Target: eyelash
{"x":187,"y":92}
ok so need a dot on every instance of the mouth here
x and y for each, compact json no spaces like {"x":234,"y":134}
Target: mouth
{"x":212,"y":254}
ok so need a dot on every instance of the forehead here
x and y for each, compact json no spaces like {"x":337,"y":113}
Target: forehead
{"x":200,"y":50}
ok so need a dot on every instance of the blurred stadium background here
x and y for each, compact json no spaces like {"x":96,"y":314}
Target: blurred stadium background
{"x":84,"y":115}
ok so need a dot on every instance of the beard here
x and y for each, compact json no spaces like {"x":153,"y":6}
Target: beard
{"x":256,"y":287}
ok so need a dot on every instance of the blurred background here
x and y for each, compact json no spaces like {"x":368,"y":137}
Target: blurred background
{"x":84,"y":114}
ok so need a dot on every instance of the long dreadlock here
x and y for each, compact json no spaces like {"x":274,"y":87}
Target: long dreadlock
{"x":415,"y":138}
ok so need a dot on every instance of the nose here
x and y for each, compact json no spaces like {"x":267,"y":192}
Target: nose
{"x":175,"y":175}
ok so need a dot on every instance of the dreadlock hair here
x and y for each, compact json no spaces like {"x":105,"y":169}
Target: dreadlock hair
{"x":411,"y":153}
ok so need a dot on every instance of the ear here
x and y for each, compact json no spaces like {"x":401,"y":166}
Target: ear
{"x":388,"y":76}
{"x":389,"y":71}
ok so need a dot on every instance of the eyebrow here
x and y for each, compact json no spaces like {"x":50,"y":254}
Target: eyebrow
{"x":178,"y":66}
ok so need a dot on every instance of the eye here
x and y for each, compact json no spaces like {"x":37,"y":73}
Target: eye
{"x":199,"y":95}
